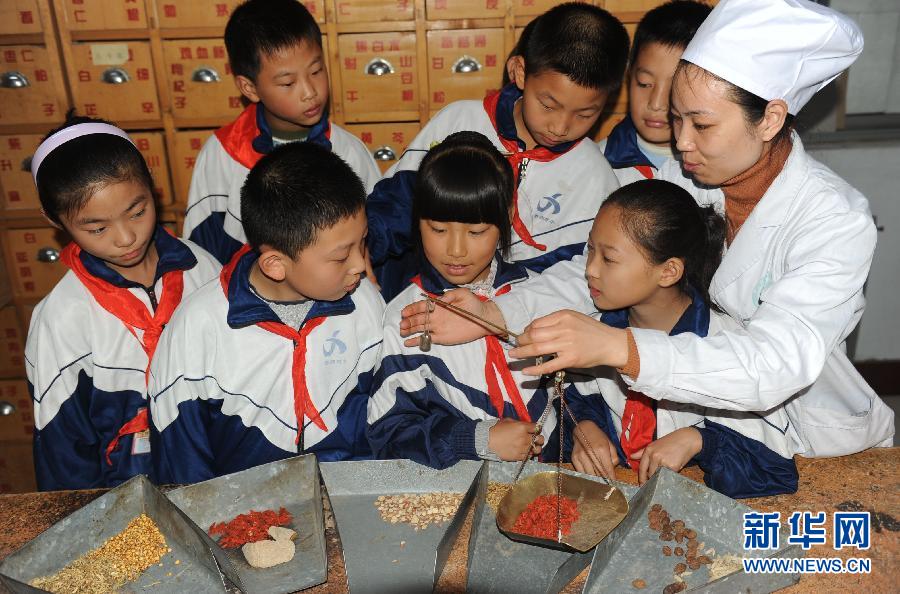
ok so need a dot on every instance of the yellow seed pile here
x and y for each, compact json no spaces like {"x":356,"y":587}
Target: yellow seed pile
{"x":119,"y":560}
{"x":419,"y":510}
{"x":495,"y":493}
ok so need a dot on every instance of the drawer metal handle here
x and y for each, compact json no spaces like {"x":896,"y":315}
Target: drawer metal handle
{"x":205,"y":74}
{"x":6,"y":408}
{"x":13,"y":80}
{"x":384,"y":153}
{"x":48,"y":254}
{"x":115,"y":76}
{"x":465,"y":65}
{"x":379,"y":67}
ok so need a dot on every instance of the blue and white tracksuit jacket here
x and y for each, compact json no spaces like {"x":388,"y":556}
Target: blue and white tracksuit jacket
{"x":744,"y":454}
{"x":221,"y":390}
{"x":557,"y":199}
{"x":87,"y":373}
{"x":624,"y":154}
{"x":425,"y":406}
{"x":213,"y":216}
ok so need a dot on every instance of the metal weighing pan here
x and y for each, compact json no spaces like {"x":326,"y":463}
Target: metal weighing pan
{"x":293,"y":484}
{"x":498,"y":564}
{"x":633,"y":551}
{"x":382,"y":557}
{"x":200,"y":567}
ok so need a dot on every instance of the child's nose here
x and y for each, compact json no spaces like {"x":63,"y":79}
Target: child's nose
{"x":124,"y":236}
{"x":659,"y":98}
{"x":559,"y":126}
{"x":456,"y":247}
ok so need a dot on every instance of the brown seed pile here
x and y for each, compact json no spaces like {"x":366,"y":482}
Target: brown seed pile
{"x":119,"y":560}
{"x":495,"y":493}
{"x":419,"y":510}
{"x":686,"y":546}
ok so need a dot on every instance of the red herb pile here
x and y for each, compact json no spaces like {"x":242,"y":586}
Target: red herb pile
{"x":539,"y":518}
{"x":250,"y":527}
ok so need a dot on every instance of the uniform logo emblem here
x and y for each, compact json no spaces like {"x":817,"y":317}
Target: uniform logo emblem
{"x":548,"y":202}
{"x":334,"y":345}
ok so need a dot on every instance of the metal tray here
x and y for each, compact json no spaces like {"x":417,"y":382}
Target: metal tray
{"x":383,"y":557}
{"x":293,"y":484}
{"x":201,"y":565}
{"x":498,"y":564}
{"x":634,"y":551}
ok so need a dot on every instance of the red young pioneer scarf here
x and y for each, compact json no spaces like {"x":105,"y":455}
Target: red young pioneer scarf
{"x":515,"y":158}
{"x":304,"y":408}
{"x":494,"y":364}
{"x":645,"y":170}
{"x":131,"y":311}
{"x":638,"y":425}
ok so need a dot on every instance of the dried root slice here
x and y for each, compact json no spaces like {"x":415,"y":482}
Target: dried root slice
{"x":279,"y":533}
{"x":269,"y":553}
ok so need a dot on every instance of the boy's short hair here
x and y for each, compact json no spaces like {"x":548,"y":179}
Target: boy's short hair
{"x":294,"y":192}
{"x":264,"y":27}
{"x":672,"y":24}
{"x":583,"y":42}
{"x":81,"y":167}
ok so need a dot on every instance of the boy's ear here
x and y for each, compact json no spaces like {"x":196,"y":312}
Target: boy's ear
{"x":51,"y":221}
{"x":247,"y":88}
{"x":272,"y":263}
{"x":515,"y":66}
{"x":671,"y":272}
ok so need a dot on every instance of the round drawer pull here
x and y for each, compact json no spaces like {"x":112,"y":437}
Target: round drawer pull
{"x":48,"y":254}
{"x":13,"y":80}
{"x":205,"y":74}
{"x":465,"y":65}
{"x":379,"y":67}
{"x":384,"y":153}
{"x":115,"y":76}
{"x":6,"y":408}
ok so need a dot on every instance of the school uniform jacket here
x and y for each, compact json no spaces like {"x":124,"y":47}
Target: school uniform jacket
{"x":559,"y":191}
{"x":621,"y":149}
{"x":87,"y":372}
{"x":793,"y":281}
{"x":223,"y":393}
{"x":213,"y":216}
{"x":745,"y":454}
{"x":425,"y":406}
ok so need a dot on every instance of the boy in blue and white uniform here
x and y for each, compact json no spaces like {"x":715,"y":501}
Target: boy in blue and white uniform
{"x":275,"y":52}
{"x":573,"y":59}
{"x":276,"y":357}
{"x":91,"y":339}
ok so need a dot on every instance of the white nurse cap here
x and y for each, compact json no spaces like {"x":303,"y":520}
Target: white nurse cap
{"x":776,"y":49}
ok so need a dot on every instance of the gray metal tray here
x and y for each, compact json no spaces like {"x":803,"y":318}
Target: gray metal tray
{"x":500,"y":565}
{"x":634,"y":551}
{"x":382,"y":557}
{"x":293,"y":484}
{"x":200,"y":567}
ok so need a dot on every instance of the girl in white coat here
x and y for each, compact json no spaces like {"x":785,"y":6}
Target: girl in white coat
{"x":799,"y":246}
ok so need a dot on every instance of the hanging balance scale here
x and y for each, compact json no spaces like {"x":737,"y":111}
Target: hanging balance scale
{"x":600,"y":506}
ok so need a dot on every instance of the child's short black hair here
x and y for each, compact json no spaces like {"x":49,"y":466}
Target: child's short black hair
{"x":464,"y":179}
{"x":585,"y":43}
{"x":294,"y":192}
{"x":78,"y":169}
{"x":264,"y":27}
{"x":672,"y":24}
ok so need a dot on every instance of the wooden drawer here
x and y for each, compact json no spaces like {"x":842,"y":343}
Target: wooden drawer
{"x":19,"y":424}
{"x":200,"y":80}
{"x":12,"y":346}
{"x":187,"y":144}
{"x":153,"y":147}
{"x":27,"y":311}
{"x":608,"y":122}
{"x":361,"y":11}
{"x":115,"y":81}
{"x":385,"y":141}
{"x":15,"y":171}
{"x":33,"y":269}
{"x":533,"y":7}
{"x":463,"y":64}
{"x":81,"y":15}
{"x":19,"y":16}
{"x":17,"y":467}
{"x":378,"y":72}
{"x":437,"y":10}
{"x":35,"y":101}
{"x":212,"y":13}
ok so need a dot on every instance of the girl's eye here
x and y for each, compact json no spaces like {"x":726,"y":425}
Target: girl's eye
{"x":96,"y":231}
{"x":700,"y":127}
{"x":138,"y":215}
{"x":546,"y":107}
{"x":607,"y":260}
{"x":436,"y":230}
{"x":318,"y":71}
{"x":643,"y":85}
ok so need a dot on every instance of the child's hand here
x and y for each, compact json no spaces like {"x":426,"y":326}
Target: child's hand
{"x":672,"y":451}
{"x":510,"y":439}
{"x":602,"y":459}
{"x":445,"y":326}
